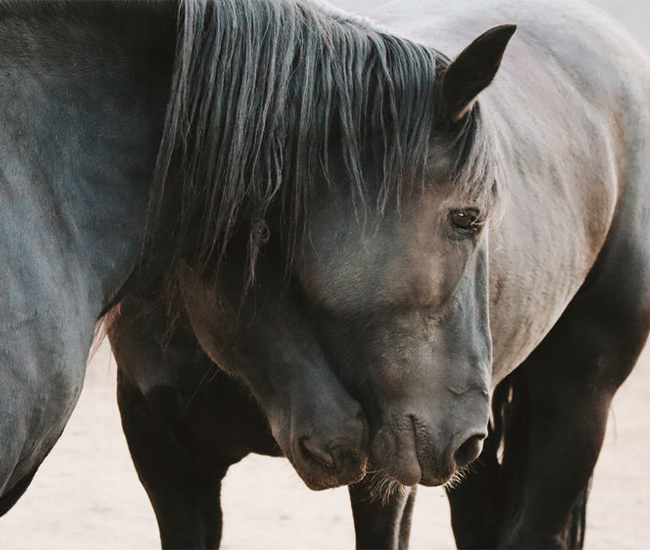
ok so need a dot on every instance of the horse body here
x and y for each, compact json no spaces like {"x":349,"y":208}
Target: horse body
{"x":78,"y":146}
{"x":570,"y":120}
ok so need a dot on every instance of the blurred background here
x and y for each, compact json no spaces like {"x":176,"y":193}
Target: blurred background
{"x":87,"y":495}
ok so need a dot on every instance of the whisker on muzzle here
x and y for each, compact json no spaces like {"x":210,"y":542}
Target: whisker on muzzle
{"x":383,"y":487}
{"x":457,"y":478}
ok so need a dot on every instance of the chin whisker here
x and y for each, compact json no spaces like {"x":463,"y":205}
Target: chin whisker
{"x":457,"y":478}
{"x":383,"y":487}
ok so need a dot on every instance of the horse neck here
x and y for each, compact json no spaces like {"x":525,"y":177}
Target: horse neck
{"x":82,"y":102}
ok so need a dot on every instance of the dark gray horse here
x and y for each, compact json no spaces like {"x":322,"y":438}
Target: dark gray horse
{"x":132,"y":146}
{"x":524,"y":248}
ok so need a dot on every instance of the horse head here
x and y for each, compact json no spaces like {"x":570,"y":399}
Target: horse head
{"x":400,"y":289}
{"x":261,"y":337}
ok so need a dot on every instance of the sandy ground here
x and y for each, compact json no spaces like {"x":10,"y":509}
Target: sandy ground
{"x":87,"y":496}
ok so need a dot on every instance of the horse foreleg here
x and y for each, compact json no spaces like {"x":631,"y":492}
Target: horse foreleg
{"x":570,"y":380}
{"x":382,"y":516}
{"x":545,"y":500}
{"x":186,"y":497}
{"x":476,"y":502}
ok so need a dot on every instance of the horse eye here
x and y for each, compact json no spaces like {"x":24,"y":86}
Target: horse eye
{"x":466,"y":221}
{"x":261,"y":231}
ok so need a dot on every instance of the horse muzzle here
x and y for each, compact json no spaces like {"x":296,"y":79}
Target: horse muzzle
{"x":408,"y":451}
{"x":331,"y":455}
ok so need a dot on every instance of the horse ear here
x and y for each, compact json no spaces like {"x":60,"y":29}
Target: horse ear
{"x":473,"y":71}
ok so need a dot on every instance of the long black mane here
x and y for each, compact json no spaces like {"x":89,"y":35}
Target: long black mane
{"x":260,"y":91}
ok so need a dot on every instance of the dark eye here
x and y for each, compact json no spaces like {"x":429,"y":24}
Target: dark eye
{"x":261,"y":231}
{"x":466,"y":221}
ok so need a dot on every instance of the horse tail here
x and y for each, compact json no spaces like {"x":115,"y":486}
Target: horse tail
{"x":511,"y":418}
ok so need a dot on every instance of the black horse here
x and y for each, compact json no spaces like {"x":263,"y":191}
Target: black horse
{"x":477,"y":274}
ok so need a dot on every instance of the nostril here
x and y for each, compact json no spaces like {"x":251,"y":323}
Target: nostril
{"x":313,"y":451}
{"x":469,"y":451}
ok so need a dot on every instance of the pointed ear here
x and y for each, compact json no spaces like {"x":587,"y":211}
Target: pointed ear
{"x":473,"y":71}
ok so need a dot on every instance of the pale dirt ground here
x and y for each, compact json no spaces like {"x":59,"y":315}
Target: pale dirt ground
{"x":87,"y":496}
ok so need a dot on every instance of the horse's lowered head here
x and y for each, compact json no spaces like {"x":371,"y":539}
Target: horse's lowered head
{"x":400,"y":291}
{"x":261,"y":338}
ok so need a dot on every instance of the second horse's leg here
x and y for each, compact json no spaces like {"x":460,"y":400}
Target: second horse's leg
{"x":382,"y":519}
{"x":186,"y":496}
{"x":570,"y":379}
